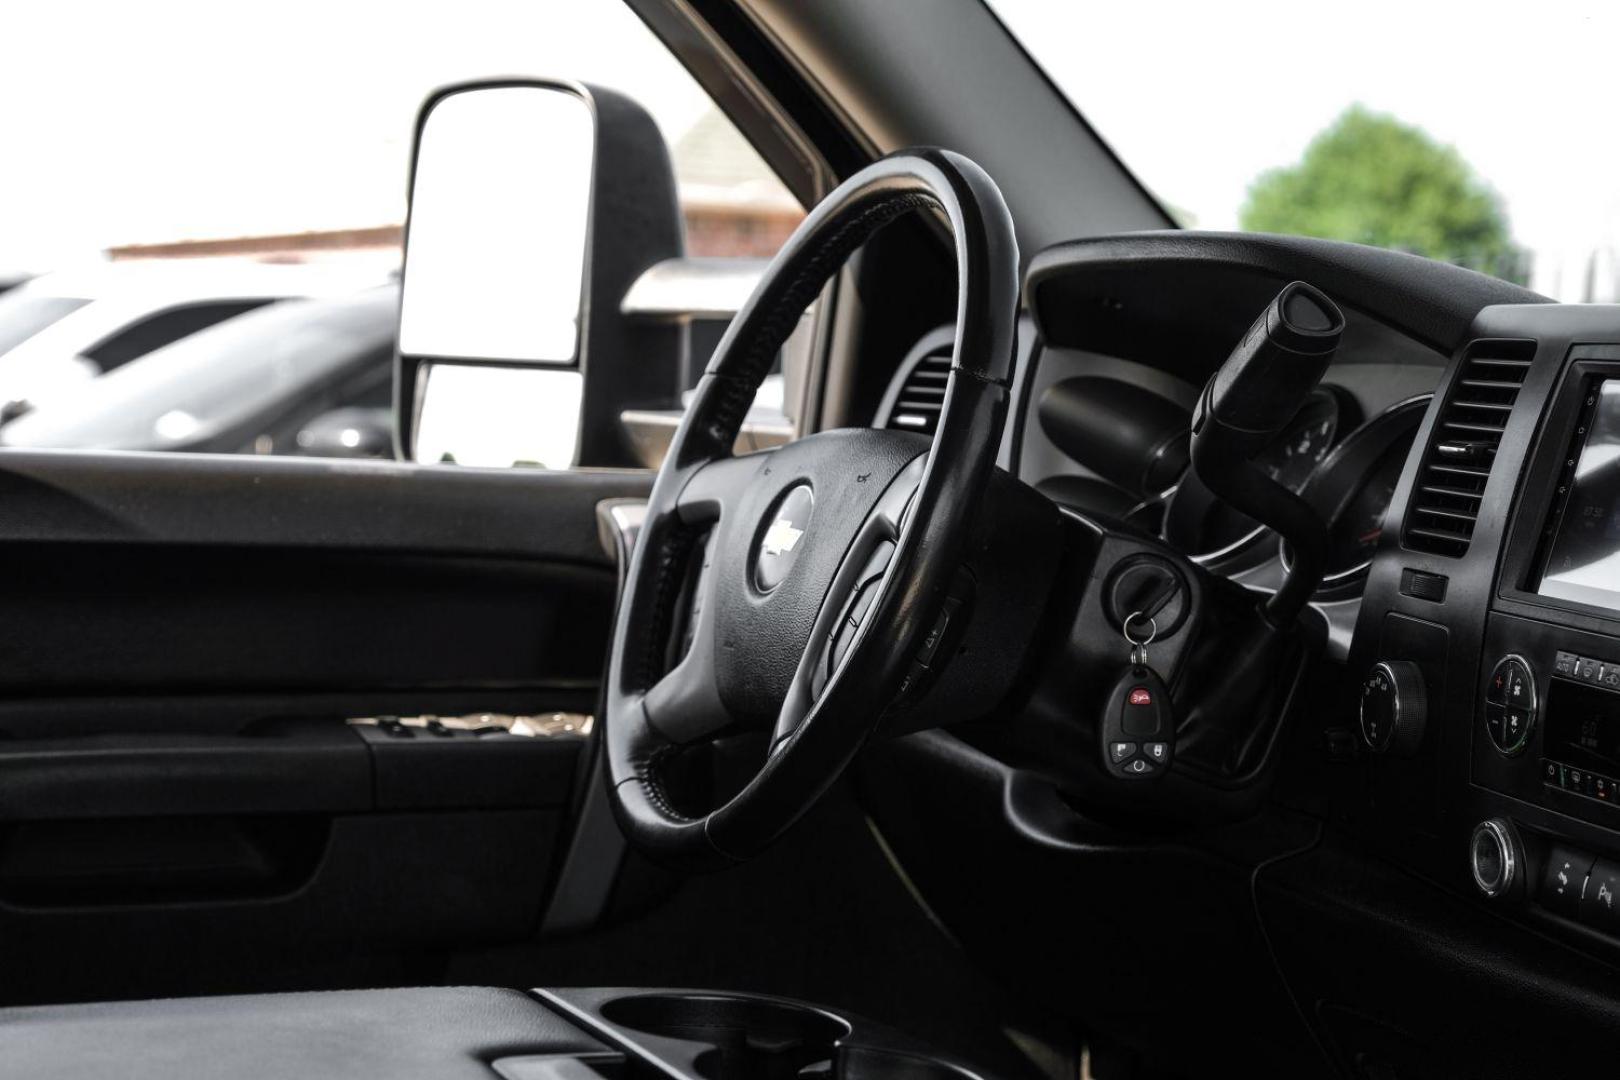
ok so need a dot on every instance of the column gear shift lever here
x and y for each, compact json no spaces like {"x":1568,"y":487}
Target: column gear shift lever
{"x":1248,"y":402}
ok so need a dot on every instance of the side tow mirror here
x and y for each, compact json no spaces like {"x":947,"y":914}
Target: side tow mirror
{"x":534,"y":205}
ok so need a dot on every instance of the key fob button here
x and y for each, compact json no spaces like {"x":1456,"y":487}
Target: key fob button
{"x":1138,"y":726}
{"x":1141,"y":713}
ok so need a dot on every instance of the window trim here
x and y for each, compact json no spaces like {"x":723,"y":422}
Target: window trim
{"x":759,"y":115}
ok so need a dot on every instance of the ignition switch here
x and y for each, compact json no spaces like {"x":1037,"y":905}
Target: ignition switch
{"x":1151,"y":586}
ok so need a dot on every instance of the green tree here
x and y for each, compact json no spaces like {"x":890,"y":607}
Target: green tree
{"x":1371,"y":179}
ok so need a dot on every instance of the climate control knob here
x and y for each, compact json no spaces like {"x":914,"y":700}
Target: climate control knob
{"x":1510,"y":704}
{"x":1394,"y":708}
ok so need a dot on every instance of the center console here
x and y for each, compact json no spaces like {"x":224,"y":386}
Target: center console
{"x":1496,"y":594}
{"x":476,"y":1033}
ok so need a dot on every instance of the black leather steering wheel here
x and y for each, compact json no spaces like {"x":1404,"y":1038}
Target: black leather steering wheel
{"x":824,"y":562}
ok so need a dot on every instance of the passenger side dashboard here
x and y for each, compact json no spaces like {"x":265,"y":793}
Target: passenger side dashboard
{"x":1503,"y":587}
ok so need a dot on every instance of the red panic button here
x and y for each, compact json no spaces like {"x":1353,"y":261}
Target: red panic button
{"x":1141,"y":696}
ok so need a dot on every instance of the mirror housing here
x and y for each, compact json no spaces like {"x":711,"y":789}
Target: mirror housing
{"x":472,"y":256}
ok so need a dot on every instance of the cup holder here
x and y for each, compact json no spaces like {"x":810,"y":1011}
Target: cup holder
{"x":747,"y":1038}
{"x":864,"y":1063}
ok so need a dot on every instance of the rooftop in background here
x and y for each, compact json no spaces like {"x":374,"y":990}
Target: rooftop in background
{"x":714,"y":163}
{"x":735,"y":207}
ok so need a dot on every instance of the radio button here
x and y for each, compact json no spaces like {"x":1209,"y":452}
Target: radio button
{"x":1564,"y":880}
{"x":1597,"y":907}
{"x":1495,"y":857}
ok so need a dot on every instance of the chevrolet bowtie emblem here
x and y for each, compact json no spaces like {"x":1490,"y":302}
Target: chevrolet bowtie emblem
{"x":781,"y":537}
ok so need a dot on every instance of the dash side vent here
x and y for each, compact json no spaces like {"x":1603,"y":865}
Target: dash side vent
{"x":1457,"y":463}
{"x":921,"y":395}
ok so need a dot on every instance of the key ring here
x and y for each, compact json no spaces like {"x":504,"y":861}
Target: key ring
{"x":1139,"y":648}
{"x":1153,"y":629}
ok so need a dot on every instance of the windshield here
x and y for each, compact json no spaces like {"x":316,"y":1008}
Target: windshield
{"x":1471,"y":134}
{"x":22,"y":316}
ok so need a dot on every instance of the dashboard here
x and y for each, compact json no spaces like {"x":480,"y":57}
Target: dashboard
{"x":1107,"y":436}
{"x":1455,"y":745}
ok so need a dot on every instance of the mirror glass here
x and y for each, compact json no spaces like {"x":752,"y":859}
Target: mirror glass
{"x":499,"y":416}
{"x":500,"y":206}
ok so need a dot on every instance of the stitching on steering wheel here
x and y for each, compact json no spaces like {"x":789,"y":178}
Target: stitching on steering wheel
{"x":739,"y":387}
{"x":774,"y":330}
{"x":652,"y":782}
{"x":865,"y":204}
{"x":673,"y":551}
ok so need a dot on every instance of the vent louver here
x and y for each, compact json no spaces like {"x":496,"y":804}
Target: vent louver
{"x":1451,"y":486}
{"x":921,"y":396}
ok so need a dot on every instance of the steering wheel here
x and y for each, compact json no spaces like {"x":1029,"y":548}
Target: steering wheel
{"x":821,"y":566}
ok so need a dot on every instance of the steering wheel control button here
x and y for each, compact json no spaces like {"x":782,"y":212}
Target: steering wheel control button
{"x":863,"y":603}
{"x":1138,"y":729}
{"x":842,"y":640}
{"x":1495,"y":857}
{"x":936,"y":633}
{"x":1394,"y":708}
{"x":779,"y":545}
{"x":1564,"y":881}
{"x":1510,"y":704}
{"x":912,"y":684}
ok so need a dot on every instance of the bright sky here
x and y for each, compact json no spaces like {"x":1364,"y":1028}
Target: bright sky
{"x":163,"y":119}
{"x":1198,"y":97}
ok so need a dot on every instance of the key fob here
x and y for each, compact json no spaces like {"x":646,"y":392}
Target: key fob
{"x":1138,"y":727}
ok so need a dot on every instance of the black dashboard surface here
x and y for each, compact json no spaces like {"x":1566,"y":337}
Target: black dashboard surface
{"x":1439,"y":362}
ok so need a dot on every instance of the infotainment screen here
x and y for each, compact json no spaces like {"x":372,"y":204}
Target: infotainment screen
{"x":1583,"y":560}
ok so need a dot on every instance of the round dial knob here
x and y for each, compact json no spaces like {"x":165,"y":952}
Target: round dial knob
{"x":1495,"y":857}
{"x":1394,"y":707}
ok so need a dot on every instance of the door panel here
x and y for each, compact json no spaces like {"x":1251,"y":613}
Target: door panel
{"x":184,"y":804}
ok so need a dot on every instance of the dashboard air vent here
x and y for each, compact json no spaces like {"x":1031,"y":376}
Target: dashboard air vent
{"x":1451,"y":486}
{"x":921,"y":394}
